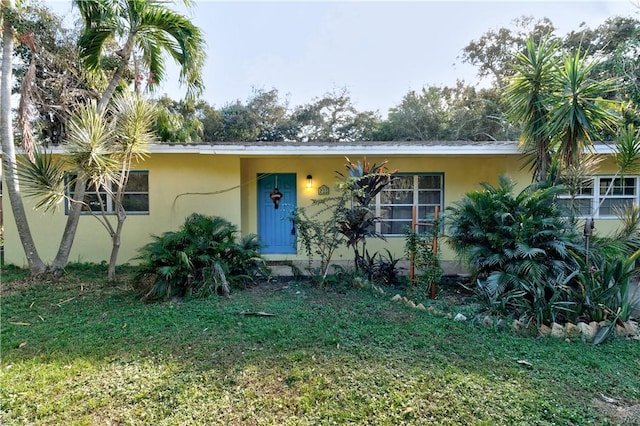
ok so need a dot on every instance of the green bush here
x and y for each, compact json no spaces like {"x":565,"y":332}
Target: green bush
{"x":428,"y":270}
{"x":362,"y":182}
{"x":381,"y":269}
{"x":604,"y":289}
{"x":200,"y":259}
{"x":319,"y":234}
{"x":530,"y":261}
{"x":520,"y":248}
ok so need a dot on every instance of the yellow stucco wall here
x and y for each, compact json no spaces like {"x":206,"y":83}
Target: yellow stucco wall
{"x":226,"y":185}
{"x":178,"y":186}
{"x":461,"y":174}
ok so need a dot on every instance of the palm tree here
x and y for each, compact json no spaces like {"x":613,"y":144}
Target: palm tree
{"x":142,"y":27}
{"x":143,"y":31}
{"x":9,"y":164}
{"x":527,"y":97}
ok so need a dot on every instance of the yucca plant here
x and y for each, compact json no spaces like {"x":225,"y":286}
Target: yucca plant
{"x":547,"y":300}
{"x":43,"y":179}
{"x":500,"y":304}
{"x":102,"y":147}
{"x":527,"y":98}
{"x":578,"y":110}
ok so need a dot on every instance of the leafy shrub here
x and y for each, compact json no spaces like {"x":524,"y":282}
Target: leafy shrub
{"x":362,"y":182}
{"x":381,"y":269}
{"x":200,"y":259}
{"x":605,"y":288}
{"x":347,"y":218}
{"x":427,"y":263}
{"x":318,"y":233}
{"x":519,"y":247}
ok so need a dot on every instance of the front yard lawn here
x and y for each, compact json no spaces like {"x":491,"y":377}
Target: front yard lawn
{"x":82,"y":351}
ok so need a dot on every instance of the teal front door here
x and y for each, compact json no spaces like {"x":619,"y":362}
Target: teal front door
{"x":275,"y":228}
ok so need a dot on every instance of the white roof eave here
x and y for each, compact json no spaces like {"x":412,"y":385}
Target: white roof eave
{"x":297,"y":150}
{"x":391,"y":149}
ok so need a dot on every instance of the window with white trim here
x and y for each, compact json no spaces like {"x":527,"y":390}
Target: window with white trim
{"x":135,"y":198}
{"x":395,"y":202}
{"x":603,"y":196}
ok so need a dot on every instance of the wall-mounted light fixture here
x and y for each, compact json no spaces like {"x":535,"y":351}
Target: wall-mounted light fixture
{"x":309,"y":181}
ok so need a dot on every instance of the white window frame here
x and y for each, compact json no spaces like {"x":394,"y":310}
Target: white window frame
{"x":598,"y":193}
{"x":415,"y":191}
{"x":109,"y":208}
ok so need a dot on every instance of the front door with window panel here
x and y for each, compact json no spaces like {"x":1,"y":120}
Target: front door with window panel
{"x":275,"y":227}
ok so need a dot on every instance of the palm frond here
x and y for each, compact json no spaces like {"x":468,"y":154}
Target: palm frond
{"x":100,"y":26}
{"x":164,"y":30}
{"x":627,"y":150}
{"x":43,"y":179}
{"x":523,"y":250}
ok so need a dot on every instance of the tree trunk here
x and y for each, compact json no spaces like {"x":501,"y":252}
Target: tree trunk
{"x":36,"y":266}
{"x":64,"y":249}
{"x":115,"y":247}
{"x":543,"y":157}
{"x":117,"y":75}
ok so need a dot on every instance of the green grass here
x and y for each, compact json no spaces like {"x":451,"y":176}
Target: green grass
{"x":82,"y":351}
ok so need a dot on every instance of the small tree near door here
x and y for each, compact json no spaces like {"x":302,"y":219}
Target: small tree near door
{"x":363,"y":181}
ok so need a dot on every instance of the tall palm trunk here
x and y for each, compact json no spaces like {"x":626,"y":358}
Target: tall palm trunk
{"x":117,"y":75}
{"x":9,"y":164}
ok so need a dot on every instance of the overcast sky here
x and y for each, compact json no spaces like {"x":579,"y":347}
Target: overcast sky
{"x":377,"y":50}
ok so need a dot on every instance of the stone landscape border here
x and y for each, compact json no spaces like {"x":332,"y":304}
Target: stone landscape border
{"x":569,"y":331}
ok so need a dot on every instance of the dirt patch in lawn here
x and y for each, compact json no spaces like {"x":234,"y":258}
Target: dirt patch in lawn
{"x":618,"y":411}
